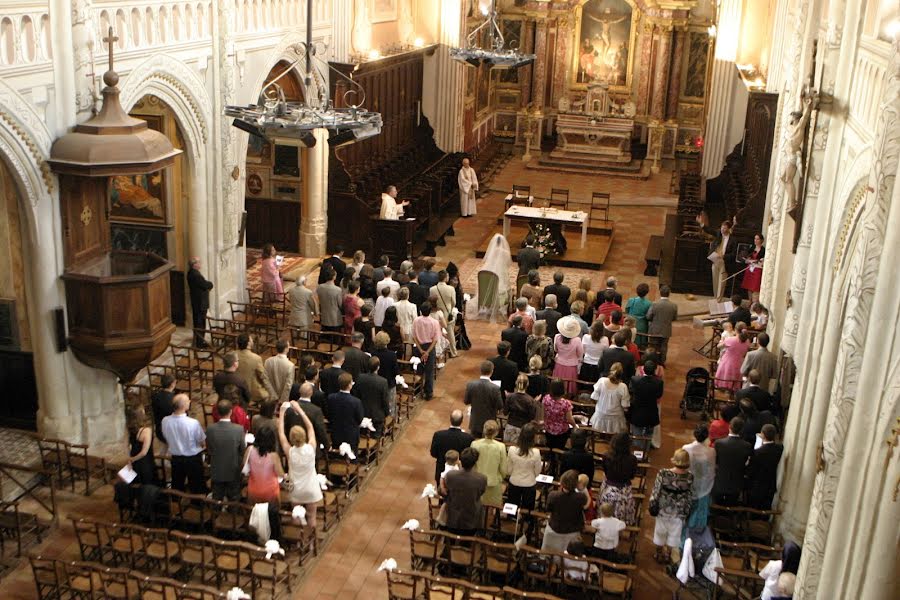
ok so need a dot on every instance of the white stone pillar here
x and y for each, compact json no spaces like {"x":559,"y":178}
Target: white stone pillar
{"x":848,"y":430}
{"x":444,"y":79}
{"x":779,"y":39}
{"x":64,"y":69}
{"x":719,"y":113}
{"x":314,"y":208}
{"x":198,"y":216}
{"x":342,"y":25}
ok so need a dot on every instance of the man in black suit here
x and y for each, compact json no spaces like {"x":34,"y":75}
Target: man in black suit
{"x":356,"y":362}
{"x":611,"y":283}
{"x":763,"y":471}
{"x":453,"y":438}
{"x":725,"y":246}
{"x":753,"y":420}
{"x":328,"y":377}
{"x":345,"y":413}
{"x":199,"y":288}
{"x":162,"y":403}
{"x":230,"y":375}
{"x":528,"y":257}
{"x":372,"y":391}
{"x":504,"y":369}
{"x":739,"y":314}
{"x":314,"y":413}
{"x":319,"y":397}
{"x":484,"y":397}
{"x":761,"y":399}
{"x":549,"y":314}
{"x":225,"y":449}
{"x":562,"y":293}
{"x":516,"y":336}
{"x":417,"y":293}
{"x":336,"y":263}
{"x":732,"y":456}
{"x":464,"y":490}
{"x":618,"y":353}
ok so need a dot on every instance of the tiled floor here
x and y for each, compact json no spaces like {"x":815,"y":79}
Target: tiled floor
{"x":371,"y":531}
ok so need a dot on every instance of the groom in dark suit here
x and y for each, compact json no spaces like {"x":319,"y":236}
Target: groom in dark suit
{"x":528,"y":257}
{"x":453,"y":438}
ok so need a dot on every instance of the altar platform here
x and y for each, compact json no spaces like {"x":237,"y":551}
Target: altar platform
{"x":591,"y":256}
{"x":635,"y":169}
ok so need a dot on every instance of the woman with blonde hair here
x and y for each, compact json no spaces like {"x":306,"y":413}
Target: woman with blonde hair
{"x":611,"y":395}
{"x":359,"y":260}
{"x":491,"y":462}
{"x":521,"y":409}
{"x":538,"y":383}
{"x":670,"y":503}
{"x":540,"y":345}
{"x":301,"y":455}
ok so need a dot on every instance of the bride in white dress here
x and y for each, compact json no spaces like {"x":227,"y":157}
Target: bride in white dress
{"x":493,"y":294}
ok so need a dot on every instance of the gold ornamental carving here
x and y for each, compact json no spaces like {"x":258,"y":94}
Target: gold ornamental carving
{"x":87,"y":215}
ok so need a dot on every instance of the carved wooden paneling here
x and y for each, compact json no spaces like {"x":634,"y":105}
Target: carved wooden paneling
{"x":85,"y":218}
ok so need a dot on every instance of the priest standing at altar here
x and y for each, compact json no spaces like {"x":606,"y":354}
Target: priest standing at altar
{"x":468,"y":185}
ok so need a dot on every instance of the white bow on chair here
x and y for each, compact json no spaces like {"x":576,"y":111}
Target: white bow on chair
{"x":237,"y":593}
{"x":412,"y":524}
{"x":345,"y":450}
{"x":415,"y":361}
{"x":273,"y":547}
{"x":323,"y":481}
{"x":401,"y":381}
{"x":389,"y":564}
{"x":429,"y":491}
{"x":366,"y":423}
{"x":299,"y":513}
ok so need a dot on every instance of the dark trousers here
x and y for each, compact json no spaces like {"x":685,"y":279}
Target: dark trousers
{"x":190,"y":469}
{"x":229,"y":490}
{"x":337,"y":328}
{"x":199,"y":318}
{"x":428,"y":366}
{"x":663,"y":348}
{"x":523,"y":497}
{"x":723,"y":499}
{"x":557,"y":441}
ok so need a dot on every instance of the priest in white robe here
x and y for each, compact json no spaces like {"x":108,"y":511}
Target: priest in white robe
{"x":468,"y":185}
{"x":391,"y":210}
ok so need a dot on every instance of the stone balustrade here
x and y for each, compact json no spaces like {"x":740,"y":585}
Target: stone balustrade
{"x":25,"y":36}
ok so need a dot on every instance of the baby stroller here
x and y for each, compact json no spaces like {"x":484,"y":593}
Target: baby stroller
{"x":696,"y":392}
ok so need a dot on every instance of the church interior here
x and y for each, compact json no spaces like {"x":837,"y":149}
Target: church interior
{"x":257,"y":258}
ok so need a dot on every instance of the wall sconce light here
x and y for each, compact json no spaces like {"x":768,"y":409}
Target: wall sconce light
{"x":711,"y":31}
{"x":374,"y":54}
{"x":419,"y":42}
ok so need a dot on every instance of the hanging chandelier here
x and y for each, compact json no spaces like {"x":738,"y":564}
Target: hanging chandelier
{"x":292,"y":123}
{"x":495,"y":56}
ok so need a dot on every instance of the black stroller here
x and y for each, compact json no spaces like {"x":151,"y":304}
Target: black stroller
{"x":696,"y":392}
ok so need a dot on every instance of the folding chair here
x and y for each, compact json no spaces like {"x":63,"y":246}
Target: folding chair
{"x":559,"y":198}
{"x":600,"y":206}
{"x":46,"y":578}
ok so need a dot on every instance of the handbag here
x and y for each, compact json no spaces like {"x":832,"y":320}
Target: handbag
{"x":654,"y":507}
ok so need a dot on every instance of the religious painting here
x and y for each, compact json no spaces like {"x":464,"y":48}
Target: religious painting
{"x":605,"y":32}
{"x":139,"y":198}
{"x":258,"y":150}
{"x":382,"y":11}
{"x":483,"y":85}
{"x":697,"y":61}
{"x":512,"y":39}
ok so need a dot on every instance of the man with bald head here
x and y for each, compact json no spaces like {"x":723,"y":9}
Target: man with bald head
{"x":186,"y":439}
{"x":468,"y":188}
{"x":453,"y":438}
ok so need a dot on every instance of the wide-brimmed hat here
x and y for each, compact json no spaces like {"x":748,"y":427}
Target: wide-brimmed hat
{"x":569,"y":327}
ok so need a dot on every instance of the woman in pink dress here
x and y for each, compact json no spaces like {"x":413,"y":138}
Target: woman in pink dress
{"x":569,"y":351}
{"x":352,"y":306}
{"x":728,"y":373}
{"x":273,"y":288}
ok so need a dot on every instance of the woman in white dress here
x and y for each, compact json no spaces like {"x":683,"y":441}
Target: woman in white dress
{"x":612,"y":398}
{"x":497,"y":260}
{"x":301,"y":453}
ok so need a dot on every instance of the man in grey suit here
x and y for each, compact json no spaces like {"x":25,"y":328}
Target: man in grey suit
{"x":225,"y":448}
{"x":303,"y":306}
{"x":661,"y":314}
{"x":763,"y":362}
{"x":356,"y":362}
{"x":330,"y":299}
{"x":446,"y":302}
{"x":484,"y":398}
{"x":280,"y":371}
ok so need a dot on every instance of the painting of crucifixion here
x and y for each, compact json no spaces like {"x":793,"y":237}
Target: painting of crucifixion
{"x":604,"y":42}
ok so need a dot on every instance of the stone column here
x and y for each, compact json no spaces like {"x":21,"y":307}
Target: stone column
{"x":851,"y":411}
{"x":675,"y":78}
{"x":663,"y":42}
{"x":198,"y":217}
{"x":342,"y":24}
{"x":564,"y":37}
{"x":314,"y":208}
{"x":70,"y":93}
{"x":719,"y":109}
{"x":644,"y":72}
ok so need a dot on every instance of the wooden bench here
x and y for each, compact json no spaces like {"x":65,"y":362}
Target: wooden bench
{"x":653,"y":255}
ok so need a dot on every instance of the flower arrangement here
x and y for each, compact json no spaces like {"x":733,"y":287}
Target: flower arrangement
{"x":545,"y":241}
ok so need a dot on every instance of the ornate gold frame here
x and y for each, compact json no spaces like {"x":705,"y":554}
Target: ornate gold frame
{"x":632,"y":43}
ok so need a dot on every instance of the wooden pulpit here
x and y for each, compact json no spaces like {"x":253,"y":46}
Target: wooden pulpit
{"x":393,"y":238}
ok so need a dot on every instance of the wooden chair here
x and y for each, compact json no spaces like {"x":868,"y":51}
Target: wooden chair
{"x":18,"y":525}
{"x":404,"y":586}
{"x":160,"y":552}
{"x":519,"y":195}
{"x":268,"y":575}
{"x":232,"y":561}
{"x":499,"y":562}
{"x":600,"y":206}
{"x":342,"y":468}
{"x":79,"y":581}
{"x":85,"y":467}
{"x":559,"y":198}
{"x":91,"y":545}
{"x":196,"y":555}
{"x":424,"y":548}
{"x":116,"y":584}
{"x":47,"y":580}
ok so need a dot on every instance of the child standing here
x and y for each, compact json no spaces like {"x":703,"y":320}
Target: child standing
{"x":606,"y":538}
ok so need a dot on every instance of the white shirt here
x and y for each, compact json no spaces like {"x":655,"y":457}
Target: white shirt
{"x":467,"y":179}
{"x":703,"y":466}
{"x":390,"y":208}
{"x":389,"y":283}
{"x":592,"y":349}
{"x":607,"y":536}
{"x":381,"y":306}
{"x":184,"y":435}
{"x":523,"y":470}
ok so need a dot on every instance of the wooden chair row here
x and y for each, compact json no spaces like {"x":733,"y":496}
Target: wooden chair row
{"x":743,"y":524}
{"x":414,"y":585}
{"x":60,"y":579}
{"x":486,"y":561}
{"x":71,"y":463}
{"x":172,"y":553}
